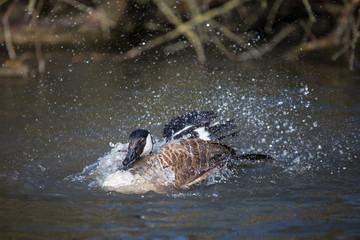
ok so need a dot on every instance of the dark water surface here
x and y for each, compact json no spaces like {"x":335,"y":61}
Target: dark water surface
{"x":305,"y":115}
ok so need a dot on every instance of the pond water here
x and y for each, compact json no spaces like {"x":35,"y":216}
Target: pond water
{"x":304,"y":114}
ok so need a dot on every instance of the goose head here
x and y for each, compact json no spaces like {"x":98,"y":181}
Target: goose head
{"x":140,"y":145}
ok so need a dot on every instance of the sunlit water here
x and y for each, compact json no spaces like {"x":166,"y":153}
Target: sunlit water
{"x":60,"y":136}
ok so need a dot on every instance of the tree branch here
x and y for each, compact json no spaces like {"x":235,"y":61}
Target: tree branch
{"x":7,"y":31}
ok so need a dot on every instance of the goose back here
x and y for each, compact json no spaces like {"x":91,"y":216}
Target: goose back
{"x":184,"y":162}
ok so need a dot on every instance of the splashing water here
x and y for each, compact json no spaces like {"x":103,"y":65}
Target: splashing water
{"x":282,"y":136}
{"x":105,"y":173}
{"x":284,"y":122}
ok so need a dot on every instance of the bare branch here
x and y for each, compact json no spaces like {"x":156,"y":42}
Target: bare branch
{"x":223,"y":49}
{"x":272,"y":14}
{"x":7,"y":31}
{"x":101,"y":18}
{"x":356,"y":35}
{"x":267,"y":47}
{"x":310,"y":22}
{"x":185,"y":29}
{"x":309,"y":10}
{"x":188,"y":32}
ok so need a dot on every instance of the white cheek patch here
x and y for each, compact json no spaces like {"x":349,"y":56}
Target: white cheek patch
{"x":148,"y":146}
{"x":203,"y":134}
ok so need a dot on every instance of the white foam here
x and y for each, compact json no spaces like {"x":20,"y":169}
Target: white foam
{"x":105,"y":173}
{"x":127,"y":182}
{"x":118,"y":179}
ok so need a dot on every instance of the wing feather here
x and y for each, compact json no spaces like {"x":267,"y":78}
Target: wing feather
{"x":193,"y":159}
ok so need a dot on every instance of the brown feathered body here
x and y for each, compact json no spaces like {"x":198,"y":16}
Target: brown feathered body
{"x":182,"y":163}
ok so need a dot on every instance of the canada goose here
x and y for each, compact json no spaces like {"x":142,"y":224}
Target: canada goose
{"x":192,"y":151}
{"x":181,"y":162}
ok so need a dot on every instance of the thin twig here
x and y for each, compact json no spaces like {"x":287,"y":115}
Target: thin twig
{"x":176,"y":47}
{"x":168,"y":12}
{"x":309,"y":11}
{"x":194,"y":10}
{"x":267,"y":47}
{"x":104,"y":21}
{"x":356,"y":35}
{"x":223,"y":49}
{"x":310,"y":22}
{"x":34,"y":18}
{"x":340,"y":52}
{"x":274,"y":9}
{"x":189,"y":33}
{"x":236,"y":39}
{"x":7,"y":31}
{"x":342,"y":21}
{"x":39,"y":57}
{"x":229,"y":34}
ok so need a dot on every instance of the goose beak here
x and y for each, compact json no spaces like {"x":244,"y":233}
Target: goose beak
{"x":130,"y":156}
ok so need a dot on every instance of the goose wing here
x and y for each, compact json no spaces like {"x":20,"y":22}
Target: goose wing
{"x":198,"y":125}
{"x":186,"y":124}
{"x":193,"y":159}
